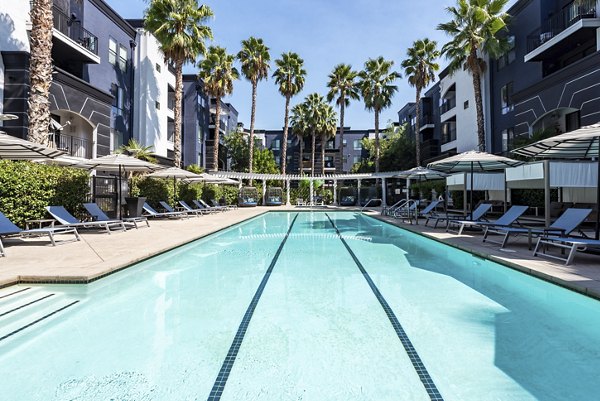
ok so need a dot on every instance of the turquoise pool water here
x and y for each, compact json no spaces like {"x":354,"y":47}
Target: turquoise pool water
{"x":302,"y":306}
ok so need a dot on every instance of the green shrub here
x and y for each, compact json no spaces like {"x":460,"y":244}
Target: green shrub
{"x":26,"y":188}
{"x":189,"y":191}
{"x":230,"y":192}
{"x":153,"y":189}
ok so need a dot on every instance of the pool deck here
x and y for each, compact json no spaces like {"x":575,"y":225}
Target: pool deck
{"x":99,"y":254}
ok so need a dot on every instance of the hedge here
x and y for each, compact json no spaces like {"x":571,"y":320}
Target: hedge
{"x":156,"y":190}
{"x":26,"y":188}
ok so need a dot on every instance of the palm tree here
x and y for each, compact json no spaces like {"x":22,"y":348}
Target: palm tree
{"x":377,"y":89}
{"x":137,"y":150}
{"x":327,"y":128}
{"x":300,"y":128}
{"x":290,"y":76}
{"x":474,"y":31}
{"x":255,"y":58}
{"x":342,"y":87}
{"x":179,"y":26}
{"x":218,"y":73}
{"x":40,"y":70}
{"x":420,"y":68}
{"x":318,"y":115}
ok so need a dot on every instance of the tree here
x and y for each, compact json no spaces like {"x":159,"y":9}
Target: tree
{"x":397,"y":151}
{"x":239,"y":151}
{"x":137,"y":150}
{"x":420,"y":68}
{"x":218,"y":73}
{"x":255,"y":58}
{"x":377,"y":89}
{"x":40,"y":70}
{"x":342,"y":88}
{"x":290,"y":76}
{"x":179,"y":26}
{"x":316,"y":108}
{"x":300,"y":128}
{"x":475,"y":31}
{"x":327,"y":129}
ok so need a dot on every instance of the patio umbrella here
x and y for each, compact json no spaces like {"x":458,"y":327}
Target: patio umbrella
{"x":473,"y":161}
{"x":420,"y":173}
{"x":583,"y":143}
{"x":13,"y":148}
{"x":119,"y":163}
{"x":6,"y":117}
{"x":175,"y":173}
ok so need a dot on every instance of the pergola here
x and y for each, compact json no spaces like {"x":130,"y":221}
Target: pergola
{"x":297,"y":177}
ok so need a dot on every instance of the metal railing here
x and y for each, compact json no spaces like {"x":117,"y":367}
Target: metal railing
{"x":448,"y":105}
{"x":74,"y":146}
{"x":369,"y":202}
{"x":448,"y":132}
{"x":569,"y":15}
{"x":73,"y":29}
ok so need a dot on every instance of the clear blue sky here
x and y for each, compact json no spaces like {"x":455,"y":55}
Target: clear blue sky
{"x":324,"y":33}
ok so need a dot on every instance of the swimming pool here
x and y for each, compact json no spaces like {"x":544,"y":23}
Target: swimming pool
{"x":302,"y":306}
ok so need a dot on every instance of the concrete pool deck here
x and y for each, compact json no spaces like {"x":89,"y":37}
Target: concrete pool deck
{"x":100,"y":254}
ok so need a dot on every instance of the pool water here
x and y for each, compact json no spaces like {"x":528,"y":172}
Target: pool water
{"x":302,"y":306}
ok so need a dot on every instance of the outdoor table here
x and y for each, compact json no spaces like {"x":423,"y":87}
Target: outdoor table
{"x":40,"y":223}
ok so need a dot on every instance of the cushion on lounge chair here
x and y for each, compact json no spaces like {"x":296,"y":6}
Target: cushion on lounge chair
{"x":98,"y":215}
{"x":64,"y":217}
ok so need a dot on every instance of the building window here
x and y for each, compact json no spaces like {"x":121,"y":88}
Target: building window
{"x":448,"y":131}
{"x":506,"y":98}
{"x":466,"y":104}
{"x":507,"y":138}
{"x":329,"y":162}
{"x":289,"y":143}
{"x":510,"y":54}
{"x":357,"y":144}
{"x":345,"y":142}
{"x":119,"y":99}
{"x":276,"y":144}
{"x":356,"y":159}
{"x":112,"y":51}
{"x":278,"y":160}
{"x":157,"y":104}
{"x":122,"y":58}
{"x":330,"y":144}
{"x":157,"y":67}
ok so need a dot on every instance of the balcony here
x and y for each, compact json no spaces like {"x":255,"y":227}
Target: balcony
{"x":447,"y":105}
{"x":74,"y":146}
{"x":427,"y":122}
{"x":70,"y":40}
{"x":575,"y":23}
{"x":448,"y":132}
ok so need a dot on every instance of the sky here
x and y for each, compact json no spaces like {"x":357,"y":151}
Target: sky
{"x":324,"y":33}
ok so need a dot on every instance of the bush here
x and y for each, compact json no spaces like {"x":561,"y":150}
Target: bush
{"x":26,"y":188}
{"x":189,"y":191}
{"x":153,"y":189}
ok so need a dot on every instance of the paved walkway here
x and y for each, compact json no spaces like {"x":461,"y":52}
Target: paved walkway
{"x":582,"y":276}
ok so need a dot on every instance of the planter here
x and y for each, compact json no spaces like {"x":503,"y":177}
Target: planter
{"x":134,"y":206}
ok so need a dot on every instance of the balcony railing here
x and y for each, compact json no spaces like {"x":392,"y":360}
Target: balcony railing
{"x":448,"y":105}
{"x":72,"y":28}
{"x":569,"y":15}
{"x":448,"y":133}
{"x":171,"y":102}
{"x":74,"y":146}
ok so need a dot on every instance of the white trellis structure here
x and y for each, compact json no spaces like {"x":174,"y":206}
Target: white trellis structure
{"x":297,"y":177}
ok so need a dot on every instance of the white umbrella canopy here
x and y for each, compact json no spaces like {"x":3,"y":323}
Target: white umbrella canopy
{"x":119,"y":162}
{"x":174,"y":172}
{"x":583,"y":143}
{"x":12,"y":148}
{"x":473,"y":161}
{"x":421,"y":173}
{"x":6,"y":117}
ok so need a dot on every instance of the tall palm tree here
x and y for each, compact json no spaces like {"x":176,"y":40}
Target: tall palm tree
{"x":218,"y":73}
{"x":474,"y":31}
{"x":179,"y":26}
{"x":419,"y":68}
{"x":289,"y":75}
{"x":342,"y":87}
{"x":319,"y":117}
{"x":40,"y":70}
{"x":376,"y":83}
{"x":327,"y":129}
{"x":300,"y":128}
{"x":255,"y":59}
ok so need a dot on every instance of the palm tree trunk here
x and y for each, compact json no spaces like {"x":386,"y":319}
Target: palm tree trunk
{"x":342,"y":107}
{"x":252,"y":116}
{"x":217,"y":135}
{"x":301,"y":155}
{"x":285,"y":138}
{"x":376,"y":140}
{"x":314,"y":144}
{"x":177,"y":112}
{"x":323,"y":139}
{"x":40,"y":71}
{"x":418,"y":126}
{"x":479,"y":108}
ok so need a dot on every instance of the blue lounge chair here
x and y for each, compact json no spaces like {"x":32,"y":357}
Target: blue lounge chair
{"x":189,"y":209}
{"x":572,"y":244}
{"x":7,"y":228}
{"x":562,"y":226}
{"x":60,"y":214}
{"x":98,"y":215}
{"x":478,"y":215}
{"x":151,"y":212}
{"x":169,"y":209}
{"x":217,"y":205}
{"x":506,"y":220}
{"x":430,"y":209}
{"x":206,"y":205}
{"x":200,"y":206}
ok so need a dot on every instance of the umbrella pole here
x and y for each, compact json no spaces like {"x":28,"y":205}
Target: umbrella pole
{"x":471,"y":192}
{"x":598,"y":195}
{"x":119,"y":192}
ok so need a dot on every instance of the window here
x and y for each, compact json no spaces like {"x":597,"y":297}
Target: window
{"x":357,"y":144}
{"x":157,"y":67}
{"x":157,"y":104}
{"x":506,"y":98}
{"x":510,"y":54}
{"x":356,"y":159}
{"x":466,"y":104}
{"x":330,"y":144}
{"x":122,"y":58}
{"x":289,"y":143}
{"x":507,"y":138}
{"x":276,"y":144}
{"x":112,"y":51}
{"x":118,"y":101}
{"x":329,"y":162}
{"x":278,"y":160}
{"x":345,"y":142}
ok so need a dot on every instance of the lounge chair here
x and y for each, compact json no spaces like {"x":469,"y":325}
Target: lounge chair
{"x":300,"y":202}
{"x":506,"y":220}
{"x":169,"y":209}
{"x":217,"y":204}
{"x":7,"y":227}
{"x":189,"y":209}
{"x":151,"y":212}
{"x":571,"y":244}
{"x":206,"y":205}
{"x":563,"y":226}
{"x":98,"y":214}
{"x":200,"y":206}
{"x":478,"y":215}
{"x":60,"y":214}
{"x":430,"y":209}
